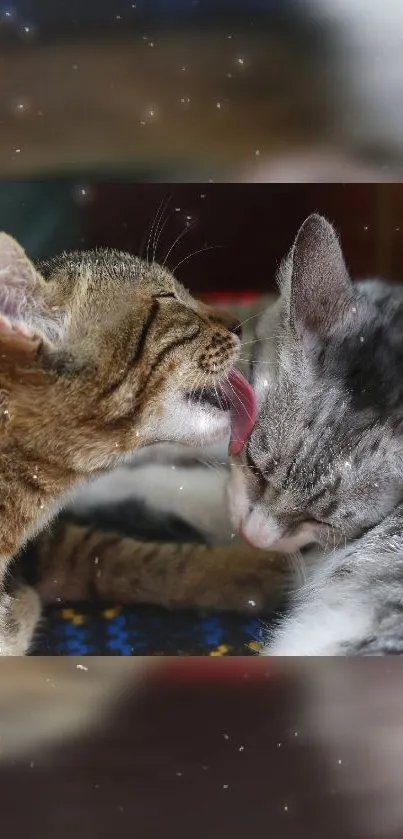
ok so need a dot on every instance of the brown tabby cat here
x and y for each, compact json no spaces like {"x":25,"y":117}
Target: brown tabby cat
{"x":100,"y":353}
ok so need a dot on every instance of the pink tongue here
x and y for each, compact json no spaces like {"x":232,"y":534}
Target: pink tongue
{"x":243,"y":410}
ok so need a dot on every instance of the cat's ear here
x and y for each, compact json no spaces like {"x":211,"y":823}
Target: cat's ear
{"x":321,"y":291}
{"x":23,"y":311}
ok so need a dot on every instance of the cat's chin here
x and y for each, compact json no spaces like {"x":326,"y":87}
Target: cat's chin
{"x":209,"y":426}
{"x":194,"y":425}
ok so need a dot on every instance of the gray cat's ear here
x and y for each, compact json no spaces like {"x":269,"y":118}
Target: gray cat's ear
{"x":321,"y":290}
{"x":22,"y":293}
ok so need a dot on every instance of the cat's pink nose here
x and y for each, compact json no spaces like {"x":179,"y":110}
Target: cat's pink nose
{"x":259,"y":530}
{"x":244,"y":536}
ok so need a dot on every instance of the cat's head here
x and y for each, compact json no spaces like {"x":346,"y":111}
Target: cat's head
{"x":324,"y":461}
{"x":123,"y":356}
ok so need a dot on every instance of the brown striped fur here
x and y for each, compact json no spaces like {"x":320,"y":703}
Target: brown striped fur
{"x":76,"y":562}
{"x":97,"y":352}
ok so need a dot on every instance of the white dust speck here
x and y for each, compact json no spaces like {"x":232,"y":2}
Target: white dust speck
{"x":18,"y":151}
{"x":183,"y":69}
{"x":240,"y":60}
{"x":257,"y":152}
{"x":347,"y":464}
{"x":151,"y":43}
{"x":339,"y":761}
{"x":225,"y":786}
{"x":226,"y":736}
{"x":96,"y":560}
{"x":241,"y":749}
{"x":279,"y":745}
{"x":252,"y":602}
{"x":5,"y":413}
{"x":265,"y":383}
{"x":218,"y":105}
{"x":81,"y":667}
{"x":365,"y":227}
{"x":137,"y":433}
{"x":286,"y":808}
{"x":295,"y":733}
{"x":178,"y":774}
{"x":74,"y":66}
{"x":181,"y":487}
{"x":354,"y":310}
{"x":361,"y":339}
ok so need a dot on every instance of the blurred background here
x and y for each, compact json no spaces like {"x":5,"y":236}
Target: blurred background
{"x":110,"y":747}
{"x":226,"y":238}
{"x":165,"y":90}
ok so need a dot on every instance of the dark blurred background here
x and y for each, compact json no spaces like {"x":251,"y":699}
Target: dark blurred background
{"x":226,"y":238}
{"x":201,"y":748}
{"x":163,"y":90}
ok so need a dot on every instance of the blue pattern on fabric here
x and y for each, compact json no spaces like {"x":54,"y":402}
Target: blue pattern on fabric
{"x":107,"y":629}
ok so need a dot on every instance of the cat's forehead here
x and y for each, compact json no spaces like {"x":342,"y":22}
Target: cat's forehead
{"x":107,"y":267}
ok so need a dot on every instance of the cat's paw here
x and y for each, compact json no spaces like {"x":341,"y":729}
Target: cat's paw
{"x":19,"y":616}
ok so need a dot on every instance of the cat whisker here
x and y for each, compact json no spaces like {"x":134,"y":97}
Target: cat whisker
{"x":160,"y":227}
{"x":242,"y":323}
{"x":151,"y":230}
{"x":180,"y":236}
{"x":250,"y":361}
{"x":194,"y":253}
{"x":257,"y":340}
{"x":239,"y":400}
{"x":299,"y":567}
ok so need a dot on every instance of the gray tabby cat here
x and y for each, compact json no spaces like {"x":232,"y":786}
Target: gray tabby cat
{"x":323,"y":466}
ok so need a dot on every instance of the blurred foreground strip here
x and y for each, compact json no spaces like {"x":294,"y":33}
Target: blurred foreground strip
{"x":44,"y":701}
